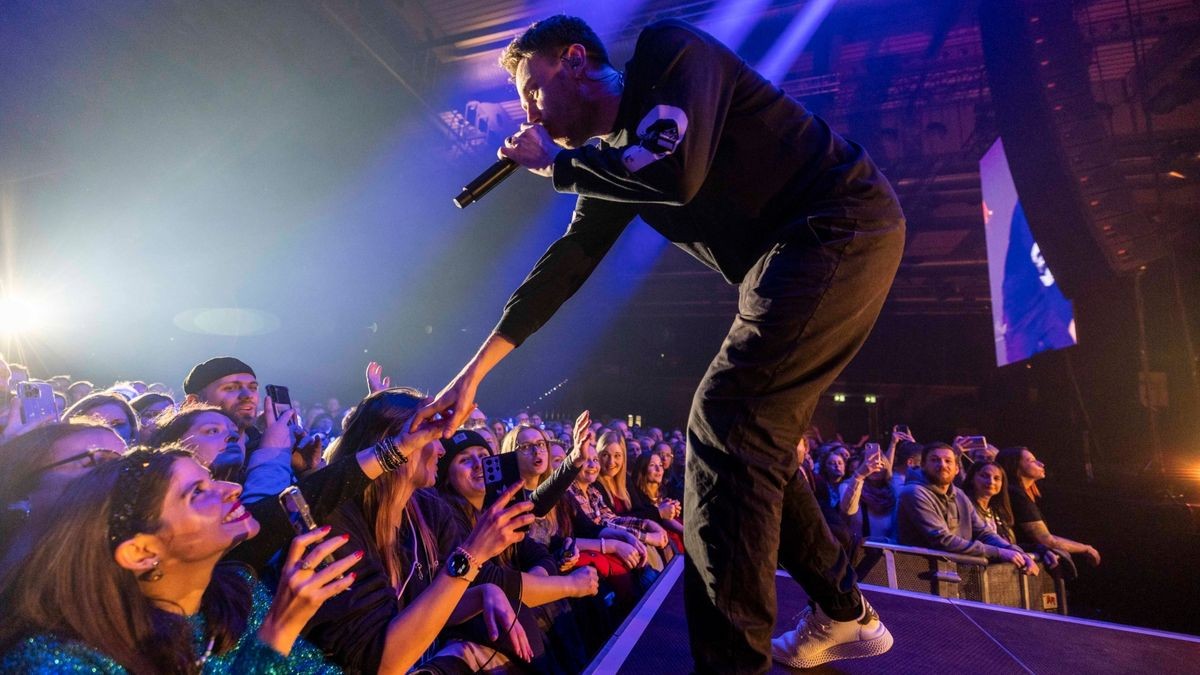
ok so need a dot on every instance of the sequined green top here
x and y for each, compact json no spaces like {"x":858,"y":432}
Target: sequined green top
{"x":45,"y":654}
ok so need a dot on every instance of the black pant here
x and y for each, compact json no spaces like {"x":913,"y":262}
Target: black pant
{"x":804,"y":310}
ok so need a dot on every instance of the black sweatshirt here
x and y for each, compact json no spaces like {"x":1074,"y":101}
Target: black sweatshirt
{"x":711,"y":155}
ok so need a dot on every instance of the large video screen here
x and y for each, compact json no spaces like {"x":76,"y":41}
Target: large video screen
{"x":1029,"y":312}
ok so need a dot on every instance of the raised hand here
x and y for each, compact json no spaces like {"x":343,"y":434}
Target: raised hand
{"x":303,"y":588}
{"x":277,"y":433}
{"x":307,"y":456}
{"x":581,"y":434}
{"x":870,"y":464}
{"x":376,"y":381}
{"x":14,"y":427}
{"x":452,"y":405}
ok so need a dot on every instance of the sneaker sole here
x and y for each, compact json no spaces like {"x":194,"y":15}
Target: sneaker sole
{"x":850,"y":650}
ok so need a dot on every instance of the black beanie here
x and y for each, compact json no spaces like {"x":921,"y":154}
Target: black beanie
{"x":212,"y":370}
{"x":461,"y":440}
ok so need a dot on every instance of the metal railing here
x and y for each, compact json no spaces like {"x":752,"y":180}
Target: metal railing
{"x":963,"y":577}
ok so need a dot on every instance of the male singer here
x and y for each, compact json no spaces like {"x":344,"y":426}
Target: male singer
{"x":735,"y":172}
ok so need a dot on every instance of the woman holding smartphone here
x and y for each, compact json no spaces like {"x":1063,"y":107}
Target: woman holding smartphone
{"x":127,"y":579}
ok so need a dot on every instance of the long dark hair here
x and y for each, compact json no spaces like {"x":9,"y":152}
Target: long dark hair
{"x":1010,"y":460}
{"x":383,"y":414}
{"x":1000,"y":503}
{"x":641,"y":474}
{"x":21,"y":458}
{"x":71,"y":586}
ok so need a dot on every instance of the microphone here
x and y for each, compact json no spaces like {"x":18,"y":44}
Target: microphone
{"x":484,"y":182}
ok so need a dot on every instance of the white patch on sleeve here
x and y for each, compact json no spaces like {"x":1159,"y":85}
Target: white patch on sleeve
{"x":659,"y":133}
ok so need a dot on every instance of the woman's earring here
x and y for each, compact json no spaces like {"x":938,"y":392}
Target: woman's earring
{"x":153,"y":574}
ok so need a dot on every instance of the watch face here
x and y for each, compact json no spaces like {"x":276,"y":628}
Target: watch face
{"x":458,"y":564}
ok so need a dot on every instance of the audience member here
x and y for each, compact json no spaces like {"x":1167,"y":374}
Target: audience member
{"x":987,"y":487}
{"x":543,"y":589}
{"x":869,"y":489}
{"x":148,"y":406}
{"x":232,"y":386}
{"x":405,"y":595}
{"x":932,"y":513}
{"x":127,"y":576}
{"x":110,"y":409}
{"x":78,"y":390}
{"x":38,"y":466}
{"x":532,"y":453}
{"x":650,"y":500}
{"x":1023,"y":471}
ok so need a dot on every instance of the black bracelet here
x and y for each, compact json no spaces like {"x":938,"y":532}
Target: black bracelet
{"x":389,"y":455}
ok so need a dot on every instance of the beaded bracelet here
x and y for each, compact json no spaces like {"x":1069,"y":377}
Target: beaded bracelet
{"x":388,"y":454}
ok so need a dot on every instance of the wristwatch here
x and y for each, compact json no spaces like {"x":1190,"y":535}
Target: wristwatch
{"x":462,"y":565}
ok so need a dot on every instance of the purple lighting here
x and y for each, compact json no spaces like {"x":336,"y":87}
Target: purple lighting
{"x":795,"y":37}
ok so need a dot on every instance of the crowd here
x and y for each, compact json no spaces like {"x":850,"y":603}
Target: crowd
{"x":143,"y":533}
{"x":965,"y":497}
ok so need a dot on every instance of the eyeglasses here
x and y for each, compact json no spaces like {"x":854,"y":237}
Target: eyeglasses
{"x":91,"y":458}
{"x":527,"y":448}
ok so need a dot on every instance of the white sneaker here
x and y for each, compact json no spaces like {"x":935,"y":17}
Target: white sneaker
{"x":819,"y":639}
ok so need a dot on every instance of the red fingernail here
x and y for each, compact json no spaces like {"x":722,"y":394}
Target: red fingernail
{"x":345,"y":537}
{"x":326,"y":529}
{"x":353,"y":576}
{"x":359,"y":554}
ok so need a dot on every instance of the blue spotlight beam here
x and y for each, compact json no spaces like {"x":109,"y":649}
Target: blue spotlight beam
{"x":795,"y":37}
{"x":733,"y":20}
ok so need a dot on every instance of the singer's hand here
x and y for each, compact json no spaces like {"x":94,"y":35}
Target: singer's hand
{"x":532,"y":148}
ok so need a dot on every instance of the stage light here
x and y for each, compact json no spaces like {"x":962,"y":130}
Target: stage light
{"x":839,"y":398}
{"x":775,"y":65}
{"x":870,"y":398}
{"x":20,"y":316}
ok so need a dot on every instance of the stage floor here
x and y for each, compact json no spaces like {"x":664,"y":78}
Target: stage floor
{"x":933,"y":635}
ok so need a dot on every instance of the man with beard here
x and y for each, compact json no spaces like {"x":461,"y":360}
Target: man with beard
{"x":932,"y":513}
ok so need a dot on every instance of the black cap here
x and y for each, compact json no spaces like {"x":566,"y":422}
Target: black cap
{"x":212,"y":370}
{"x":461,"y":440}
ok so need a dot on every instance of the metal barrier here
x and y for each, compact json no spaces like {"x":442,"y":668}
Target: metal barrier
{"x":964,"y":577}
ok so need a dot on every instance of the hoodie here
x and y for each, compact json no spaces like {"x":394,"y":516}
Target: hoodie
{"x":943,"y":522}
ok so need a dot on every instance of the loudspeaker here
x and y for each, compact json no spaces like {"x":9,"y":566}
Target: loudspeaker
{"x":1062,"y":159}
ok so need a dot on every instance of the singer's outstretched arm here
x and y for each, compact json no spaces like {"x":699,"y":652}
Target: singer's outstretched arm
{"x":560,"y":272}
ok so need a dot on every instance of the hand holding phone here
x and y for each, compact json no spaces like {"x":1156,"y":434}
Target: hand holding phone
{"x":37,"y":402}
{"x":296,"y":508}
{"x":872,"y":460}
{"x":499,"y":472}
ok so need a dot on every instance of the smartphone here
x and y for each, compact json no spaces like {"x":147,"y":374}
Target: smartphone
{"x":974,"y":443}
{"x":296,"y":508}
{"x":37,"y":402}
{"x":903,"y":429}
{"x":281,"y":400}
{"x":500,"y":472}
{"x":871,"y":449}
